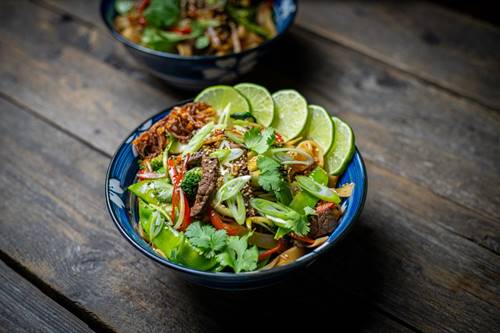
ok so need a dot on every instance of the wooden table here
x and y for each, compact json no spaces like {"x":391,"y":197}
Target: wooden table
{"x":419,"y":84}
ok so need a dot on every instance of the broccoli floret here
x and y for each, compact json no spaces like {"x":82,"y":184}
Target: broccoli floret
{"x":190,"y":182}
{"x":157,"y":162}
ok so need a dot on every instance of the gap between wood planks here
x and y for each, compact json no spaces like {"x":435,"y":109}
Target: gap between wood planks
{"x":87,"y":317}
{"x":376,"y":163}
{"x":91,"y":319}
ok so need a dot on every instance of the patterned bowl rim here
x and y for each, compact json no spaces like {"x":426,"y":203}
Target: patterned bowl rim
{"x":162,"y":54}
{"x":356,"y":168}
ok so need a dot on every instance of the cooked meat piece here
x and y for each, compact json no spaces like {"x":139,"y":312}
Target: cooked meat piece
{"x":326,"y":221}
{"x":153,"y":141}
{"x":185,"y":119}
{"x":181,"y":123}
{"x":210,"y":173}
{"x":195,"y":159}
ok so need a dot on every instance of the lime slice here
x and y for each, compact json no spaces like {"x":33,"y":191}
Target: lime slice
{"x":224,"y":99}
{"x":337,"y":159}
{"x":290,"y":113}
{"x":261,"y":102}
{"x":320,"y":129}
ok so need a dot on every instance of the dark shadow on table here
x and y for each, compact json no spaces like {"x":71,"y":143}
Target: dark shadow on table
{"x":330,"y":293}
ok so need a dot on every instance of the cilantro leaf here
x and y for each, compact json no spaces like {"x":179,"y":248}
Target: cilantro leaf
{"x":237,"y":254}
{"x":257,"y":141}
{"x":162,"y":13}
{"x":301,"y":226}
{"x":309,"y":211}
{"x":271,"y":179}
{"x":206,"y":238}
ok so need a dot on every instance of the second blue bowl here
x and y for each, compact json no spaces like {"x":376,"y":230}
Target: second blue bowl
{"x":197,"y":72}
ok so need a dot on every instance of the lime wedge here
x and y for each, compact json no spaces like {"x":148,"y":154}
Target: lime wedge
{"x":261,"y":102}
{"x":290,"y":113}
{"x":320,"y":129}
{"x":224,"y":99}
{"x":339,"y":156}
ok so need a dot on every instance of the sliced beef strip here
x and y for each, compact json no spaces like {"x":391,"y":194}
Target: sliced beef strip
{"x":210,"y":173}
{"x":325,"y":221}
{"x":195,"y":159}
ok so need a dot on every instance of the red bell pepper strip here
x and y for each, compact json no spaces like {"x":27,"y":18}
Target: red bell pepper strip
{"x":278,"y":248}
{"x":178,"y":194}
{"x":182,"y":31}
{"x":279,"y":138}
{"x":140,"y":173}
{"x":232,"y":229}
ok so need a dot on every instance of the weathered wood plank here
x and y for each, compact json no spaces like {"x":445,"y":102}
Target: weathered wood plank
{"x":433,"y":43}
{"x":24,"y":308}
{"x":402,"y":126}
{"x":68,"y":240}
{"x":397,"y":260}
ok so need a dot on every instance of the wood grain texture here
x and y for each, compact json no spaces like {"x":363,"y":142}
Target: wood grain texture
{"x":408,"y":266}
{"x":71,"y":244}
{"x":400,"y":124}
{"x":24,"y":308}
{"x":435,"y":44}
{"x":396,"y":260}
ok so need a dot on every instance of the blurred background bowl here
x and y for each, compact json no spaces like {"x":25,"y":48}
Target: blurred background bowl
{"x":197,"y":72}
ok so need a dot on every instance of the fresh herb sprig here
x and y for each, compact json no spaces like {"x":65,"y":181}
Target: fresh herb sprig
{"x":229,"y":251}
{"x":271,"y":179}
{"x":257,"y":141}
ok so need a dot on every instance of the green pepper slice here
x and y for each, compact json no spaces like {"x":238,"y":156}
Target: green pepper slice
{"x":318,"y":190}
{"x":173,"y":244}
{"x":304,"y":199}
{"x":154,"y":191}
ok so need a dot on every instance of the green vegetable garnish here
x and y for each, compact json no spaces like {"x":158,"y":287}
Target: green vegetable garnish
{"x":282,"y":216}
{"x":237,"y":207}
{"x":237,"y":254}
{"x":190,"y":182}
{"x":220,"y":154}
{"x":201,"y":42}
{"x":197,"y":140}
{"x":242,"y":116}
{"x":162,"y":13}
{"x":155,"y":191}
{"x":206,"y":238}
{"x":320,"y":191}
{"x":231,"y":188}
{"x":303,"y":199}
{"x":257,"y":141}
{"x":243,"y":16}
{"x":271,"y":179}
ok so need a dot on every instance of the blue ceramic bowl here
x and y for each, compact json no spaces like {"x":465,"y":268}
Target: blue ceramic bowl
{"x":197,"y":72}
{"x":122,"y":207}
